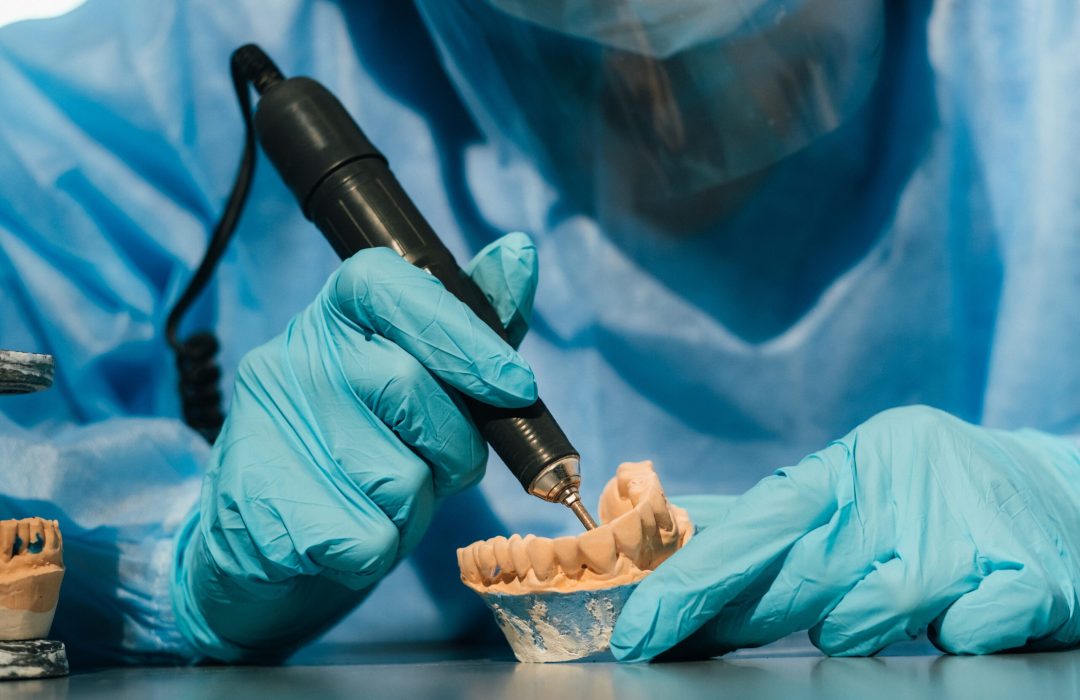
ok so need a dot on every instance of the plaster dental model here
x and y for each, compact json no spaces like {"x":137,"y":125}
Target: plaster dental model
{"x":31,"y":568}
{"x":557,"y":599}
{"x":31,"y":557}
{"x":25,"y":372}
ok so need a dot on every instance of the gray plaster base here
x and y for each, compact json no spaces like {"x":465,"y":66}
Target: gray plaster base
{"x":549,"y":626}
{"x":32,"y":658}
{"x":25,"y":372}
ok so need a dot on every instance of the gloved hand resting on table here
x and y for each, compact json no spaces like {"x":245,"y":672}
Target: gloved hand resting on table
{"x":916,"y":520}
{"x":340,"y":440}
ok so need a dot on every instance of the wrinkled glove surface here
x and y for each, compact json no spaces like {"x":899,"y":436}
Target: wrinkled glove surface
{"x":915,"y":521}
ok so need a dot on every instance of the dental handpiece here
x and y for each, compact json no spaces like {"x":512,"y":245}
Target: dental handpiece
{"x":344,"y":185}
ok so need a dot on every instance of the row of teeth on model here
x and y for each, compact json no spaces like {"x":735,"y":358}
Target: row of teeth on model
{"x":30,"y":536}
{"x":639,"y":531}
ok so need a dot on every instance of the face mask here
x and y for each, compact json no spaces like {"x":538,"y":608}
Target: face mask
{"x":642,"y":105}
{"x":662,"y":28}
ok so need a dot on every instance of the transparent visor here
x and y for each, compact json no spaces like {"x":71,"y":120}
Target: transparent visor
{"x":657,"y":98}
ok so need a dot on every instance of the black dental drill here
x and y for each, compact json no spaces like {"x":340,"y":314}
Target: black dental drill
{"x":344,"y":186}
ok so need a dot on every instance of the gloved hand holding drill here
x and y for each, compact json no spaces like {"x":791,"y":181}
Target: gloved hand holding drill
{"x":341,"y":439}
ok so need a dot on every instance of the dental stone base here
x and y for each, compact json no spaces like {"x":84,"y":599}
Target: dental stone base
{"x":16,"y":625}
{"x":551,"y":627}
{"x":32,"y":658}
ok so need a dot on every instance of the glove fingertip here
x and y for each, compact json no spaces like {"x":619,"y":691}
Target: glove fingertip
{"x":515,"y":249}
{"x":506,"y":270}
{"x":519,"y":243}
{"x":521,"y":270}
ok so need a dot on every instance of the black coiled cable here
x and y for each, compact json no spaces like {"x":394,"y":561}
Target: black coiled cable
{"x":196,"y":355}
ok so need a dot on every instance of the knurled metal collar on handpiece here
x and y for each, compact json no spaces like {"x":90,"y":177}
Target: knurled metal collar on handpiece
{"x":560,"y":483}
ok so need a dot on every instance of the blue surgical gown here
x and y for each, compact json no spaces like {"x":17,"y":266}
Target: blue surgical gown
{"x":929,"y":252}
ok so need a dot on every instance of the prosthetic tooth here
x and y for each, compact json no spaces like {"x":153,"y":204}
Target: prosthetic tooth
{"x":611,"y":507}
{"x":651,"y":542}
{"x":637,"y":491}
{"x":659,"y":507}
{"x":629,"y":476}
{"x":598,"y":550}
{"x":542,"y":556}
{"x":485,"y":562}
{"x":36,"y":543}
{"x":7,"y":539}
{"x":635,"y":478}
{"x":668,"y":537}
{"x":56,"y":541}
{"x":661,"y":556}
{"x":622,"y":482}
{"x":22,"y":532}
{"x":608,"y":504}
{"x":501,"y":548}
{"x":628,"y":537}
{"x":519,"y":556}
{"x":568,"y":556}
{"x":467,"y":564}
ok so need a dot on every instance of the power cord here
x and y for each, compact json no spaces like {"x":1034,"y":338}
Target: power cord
{"x":196,"y":355}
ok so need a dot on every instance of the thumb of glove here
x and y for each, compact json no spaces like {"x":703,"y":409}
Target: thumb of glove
{"x":506,"y":271}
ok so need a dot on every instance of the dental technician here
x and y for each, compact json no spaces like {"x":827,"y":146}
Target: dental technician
{"x":818,"y":259}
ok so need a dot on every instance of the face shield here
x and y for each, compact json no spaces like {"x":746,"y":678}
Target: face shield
{"x":646,"y":104}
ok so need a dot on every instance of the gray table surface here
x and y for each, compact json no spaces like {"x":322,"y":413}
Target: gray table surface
{"x":431,"y":672}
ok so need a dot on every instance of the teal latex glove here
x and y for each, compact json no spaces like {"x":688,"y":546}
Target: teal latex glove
{"x":340,"y":440}
{"x":914,"y":521}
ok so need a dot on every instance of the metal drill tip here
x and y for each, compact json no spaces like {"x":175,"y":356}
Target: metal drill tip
{"x":583,"y":515}
{"x":572,"y":500}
